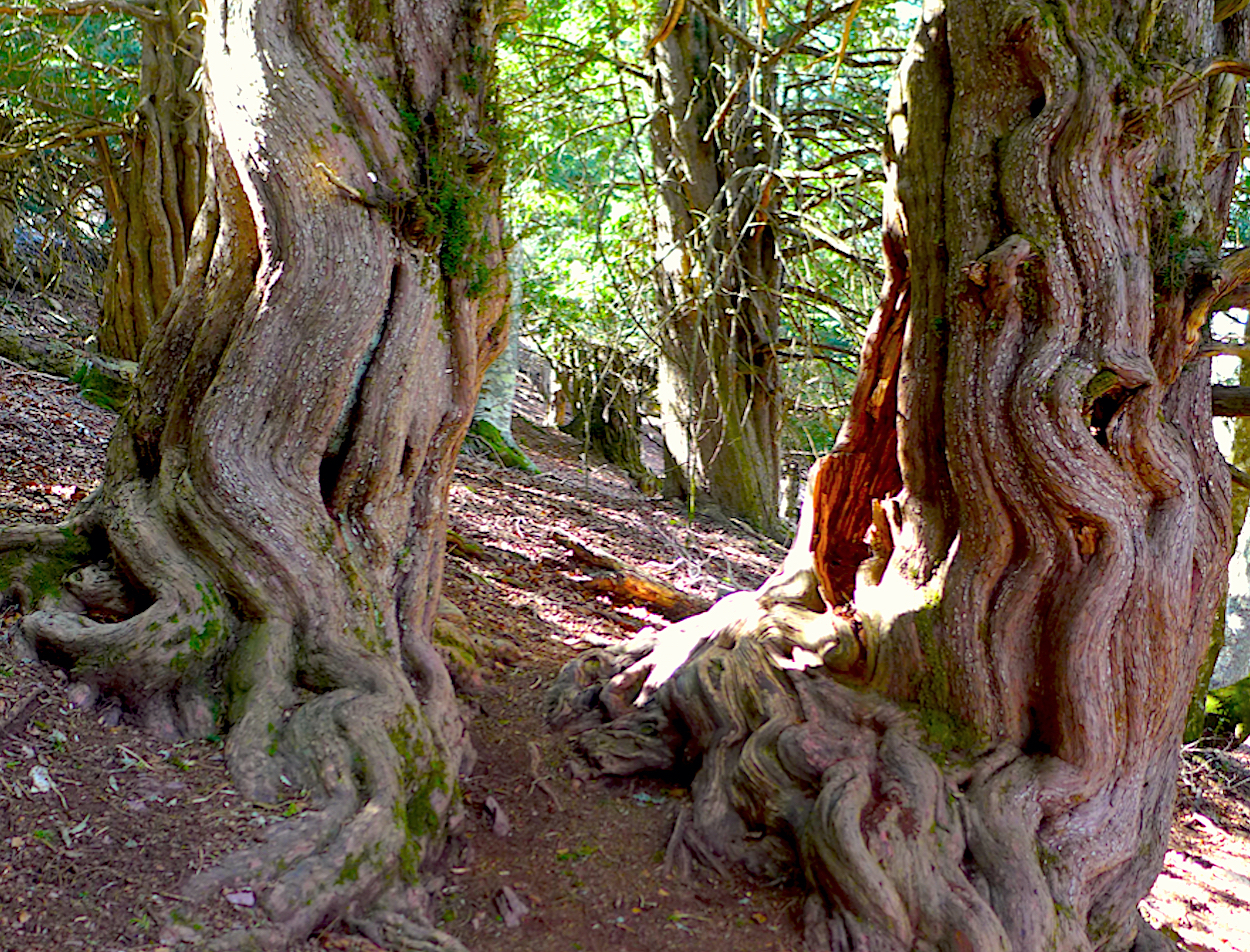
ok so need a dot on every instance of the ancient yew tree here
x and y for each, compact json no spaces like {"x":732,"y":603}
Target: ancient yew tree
{"x":718,"y":273}
{"x":267,"y":545}
{"x":964,"y":731}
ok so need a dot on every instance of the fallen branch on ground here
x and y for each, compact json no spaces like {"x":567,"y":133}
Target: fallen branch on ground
{"x":628,"y":584}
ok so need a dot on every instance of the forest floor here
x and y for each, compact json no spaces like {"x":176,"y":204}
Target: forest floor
{"x":99,"y":823}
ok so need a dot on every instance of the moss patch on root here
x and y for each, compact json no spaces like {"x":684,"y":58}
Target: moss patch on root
{"x":108,"y":390}
{"x":43,"y":573}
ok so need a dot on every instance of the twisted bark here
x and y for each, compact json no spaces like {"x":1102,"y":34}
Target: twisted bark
{"x":275,"y":495}
{"x":978,"y":749}
{"x":154,"y":206}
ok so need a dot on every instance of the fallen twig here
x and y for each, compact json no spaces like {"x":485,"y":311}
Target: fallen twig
{"x":10,"y":724}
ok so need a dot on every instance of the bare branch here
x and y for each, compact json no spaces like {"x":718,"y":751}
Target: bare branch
{"x":804,"y":345}
{"x":1240,"y":476}
{"x":1224,"y":348}
{"x":807,"y":26}
{"x":1189,"y":84}
{"x":59,"y":138}
{"x":729,"y":27}
{"x":1230,"y":401}
{"x":1232,"y":275}
{"x":1237,"y":297}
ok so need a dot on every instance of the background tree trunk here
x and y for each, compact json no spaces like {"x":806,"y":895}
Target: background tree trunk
{"x":604,"y":387}
{"x":491,"y":430}
{"x":160,"y":192}
{"x":10,"y":169}
{"x":979,"y":751}
{"x":718,"y":277}
{"x":1195,"y":720}
{"x":275,"y":497}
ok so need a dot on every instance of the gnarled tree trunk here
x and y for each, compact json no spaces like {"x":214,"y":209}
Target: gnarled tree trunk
{"x":978,"y":749}
{"x":155,"y":204}
{"x":275,"y":497}
{"x":604,"y":387}
{"x":718,"y":277}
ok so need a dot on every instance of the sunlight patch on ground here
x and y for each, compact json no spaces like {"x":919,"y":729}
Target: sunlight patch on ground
{"x":1206,"y":899}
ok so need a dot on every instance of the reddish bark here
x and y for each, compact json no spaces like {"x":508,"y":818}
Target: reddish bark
{"x":864,"y":465}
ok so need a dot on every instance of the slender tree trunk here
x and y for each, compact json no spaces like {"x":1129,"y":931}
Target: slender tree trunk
{"x":1195,"y":721}
{"x":160,"y":192}
{"x":275,"y":499}
{"x":978,"y":751}
{"x":491,"y":430}
{"x":718,"y":276}
{"x":497,"y":397}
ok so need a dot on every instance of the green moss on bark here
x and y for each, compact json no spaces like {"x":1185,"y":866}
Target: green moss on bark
{"x":484,"y":436}
{"x":44,"y":574}
{"x":944,"y":729}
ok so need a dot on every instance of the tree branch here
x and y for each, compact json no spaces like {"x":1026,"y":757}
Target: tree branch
{"x":1240,"y":476}
{"x":1230,"y":401}
{"x":80,"y":8}
{"x":730,"y":27}
{"x":1237,"y":297}
{"x":806,"y":27}
{"x":1186,"y":86}
{"x":1232,"y":276}
{"x":1224,"y":348}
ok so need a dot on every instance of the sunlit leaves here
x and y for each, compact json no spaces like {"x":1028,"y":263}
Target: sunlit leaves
{"x":68,"y":81}
{"x":581,"y":195}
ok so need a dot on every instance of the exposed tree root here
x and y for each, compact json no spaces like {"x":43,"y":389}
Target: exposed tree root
{"x":160,"y":660}
{"x":393,"y":930}
{"x":380,"y":772}
{"x":35,"y":558}
{"x":901,"y":849}
{"x":347,"y":725}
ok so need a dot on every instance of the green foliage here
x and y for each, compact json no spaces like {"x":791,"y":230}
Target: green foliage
{"x":582,"y":198}
{"x":69,"y":67}
{"x":67,"y":85}
{"x":452,"y":204}
{"x":579,"y":161}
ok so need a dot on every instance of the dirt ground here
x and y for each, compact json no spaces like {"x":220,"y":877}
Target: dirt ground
{"x":99,"y":823}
